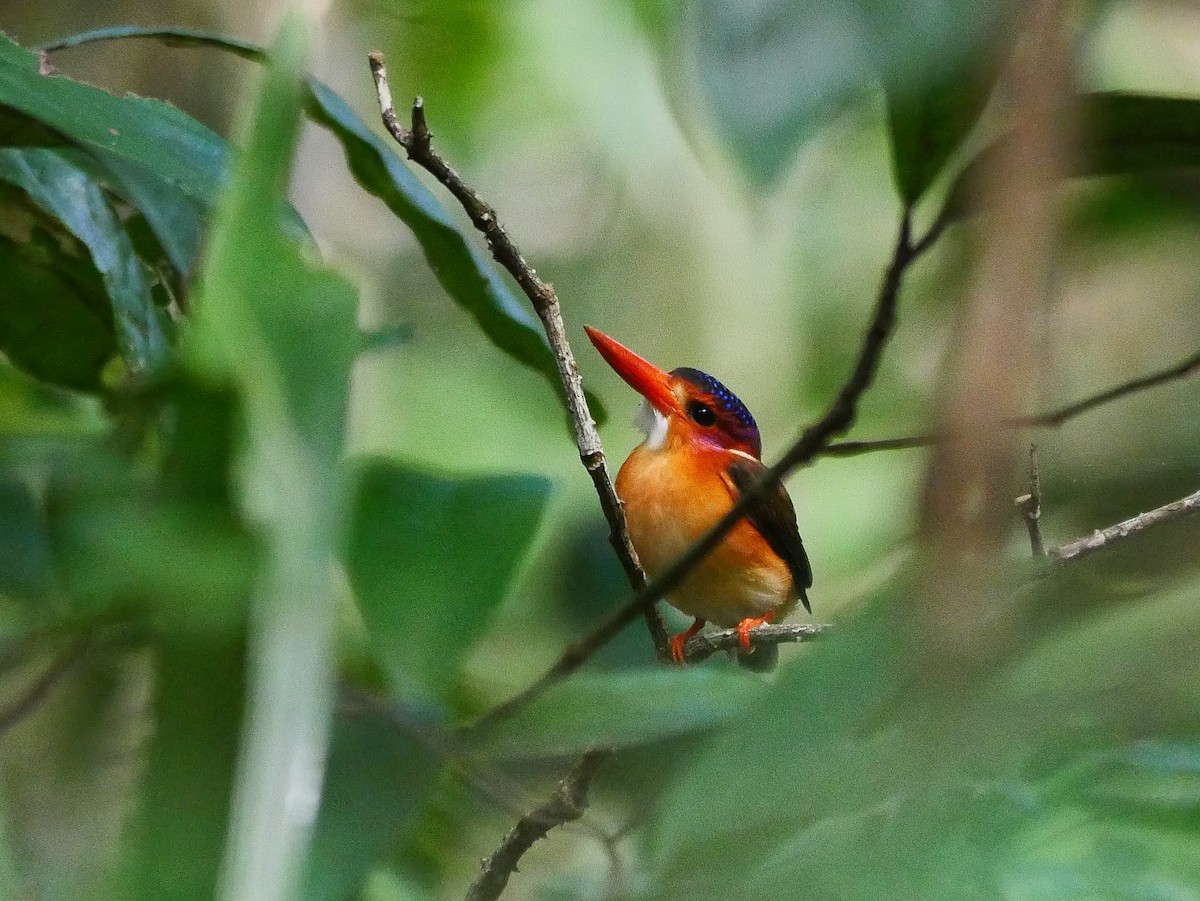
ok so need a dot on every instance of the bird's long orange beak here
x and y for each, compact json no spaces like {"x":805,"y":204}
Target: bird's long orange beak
{"x":641,"y":375}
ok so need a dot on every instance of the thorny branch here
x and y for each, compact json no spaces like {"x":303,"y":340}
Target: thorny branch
{"x":837,"y":419}
{"x":1050,"y":420}
{"x":1104,"y":538}
{"x":416,"y":141}
{"x":567,"y":804}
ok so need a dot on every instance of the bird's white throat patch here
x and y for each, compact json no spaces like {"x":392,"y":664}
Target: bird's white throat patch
{"x":653,"y":423}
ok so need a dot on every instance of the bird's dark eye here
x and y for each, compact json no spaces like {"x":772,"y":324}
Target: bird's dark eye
{"x":702,"y":414}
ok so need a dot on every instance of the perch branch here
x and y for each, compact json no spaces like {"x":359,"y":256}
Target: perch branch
{"x":1050,"y":420}
{"x":417,"y":143}
{"x":1104,"y":538}
{"x":701,"y":647}
{"x":1030,"y":506}
{"x":567,"y":804}
{"x":836,"y":420}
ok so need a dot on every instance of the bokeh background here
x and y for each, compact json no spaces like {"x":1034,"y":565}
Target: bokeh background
{"x":597,"y":130}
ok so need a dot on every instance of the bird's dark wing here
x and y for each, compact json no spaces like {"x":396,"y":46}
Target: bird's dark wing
{"x":775,"y":519}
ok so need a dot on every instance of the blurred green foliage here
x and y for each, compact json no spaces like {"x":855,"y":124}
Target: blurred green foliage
{"x":254,"y":583}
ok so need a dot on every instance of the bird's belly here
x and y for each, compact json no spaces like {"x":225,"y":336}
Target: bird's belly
{"x":668,"y":512}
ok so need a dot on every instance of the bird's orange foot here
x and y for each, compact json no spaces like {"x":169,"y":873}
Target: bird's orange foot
{"x":677,"y":649}
{"x":677,"y":643}
{"x":751,"y":622}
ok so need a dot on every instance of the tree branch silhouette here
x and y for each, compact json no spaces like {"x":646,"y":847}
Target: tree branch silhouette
{"x":567,"y":804}
{"x":1050,"y":420}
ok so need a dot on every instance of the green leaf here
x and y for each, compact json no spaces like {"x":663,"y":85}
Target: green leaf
{"x":154,"y":155}
{"x":68,"y":194}
{"x":282,"y":332}
{"x":25,"y":558}
{"x":378,"y":776}
{"x":31,"y":409}
{"x":50,"y":326}
{"x":150,"y":133}
{"x":929,"y":121}
{"x":772,"y":71}
{"x":457,"y":543}
{"x":1119,"y":134}
{"x":175,"y":217}
{"x":621,"y":709}
{"x":467,"y":277}
{"x":176,"y":842}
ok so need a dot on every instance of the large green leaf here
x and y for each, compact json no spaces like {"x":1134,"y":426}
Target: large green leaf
{"x":281,"y":331}
{"x":1118,"y":134}
{"x":771,"y":70}
{"x":55,"y":328}
{"x":67,"y":193}
{"x":424,"y":551}
{"x":150,"y":133}
{"x":462,"y":271}
{"x":621,"y":709}
{"x":175,"y":845}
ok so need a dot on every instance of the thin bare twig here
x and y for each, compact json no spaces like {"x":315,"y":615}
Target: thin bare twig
{"x":416,"y":141}
{"x":837,"y":419}
{"x":1050,"y":420}
{"x":1056,"y":418}
{"x":701,"y":647}
{"x":1030,"y":506}
{"x":566,"y":805}
{"x":1104,"y":538}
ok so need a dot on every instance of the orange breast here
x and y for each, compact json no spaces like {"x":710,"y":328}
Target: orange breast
{"x":672,"y":497}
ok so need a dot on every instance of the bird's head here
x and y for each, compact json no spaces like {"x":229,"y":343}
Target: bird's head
{"x":681,"y":407}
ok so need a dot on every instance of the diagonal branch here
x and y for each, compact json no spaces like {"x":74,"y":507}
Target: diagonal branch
{"x":1105,"y":538}
{"x":837,"y":419}
{"x":1050,"y":420}
{"x":566,"y":805}
{"x":417,"y":143}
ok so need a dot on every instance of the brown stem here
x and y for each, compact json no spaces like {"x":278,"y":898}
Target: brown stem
{"x":417,"y":142}
{"x":566,"y":805}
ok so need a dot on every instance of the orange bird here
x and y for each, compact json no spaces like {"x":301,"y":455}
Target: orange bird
{"x":702,"y":450}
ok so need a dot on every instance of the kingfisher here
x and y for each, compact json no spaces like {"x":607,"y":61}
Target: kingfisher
{"x":702,"y":450}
